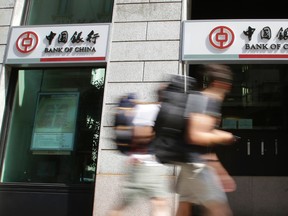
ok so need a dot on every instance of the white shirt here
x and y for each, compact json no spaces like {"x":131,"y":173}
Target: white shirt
{"x":145,"y":115}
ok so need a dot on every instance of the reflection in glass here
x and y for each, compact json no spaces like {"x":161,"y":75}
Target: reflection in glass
{"x":44,"y":12}
{"x":257,"y":98}
{"x":23,"y":164}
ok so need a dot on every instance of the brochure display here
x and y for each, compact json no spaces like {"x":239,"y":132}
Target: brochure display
{"x":55,"y":122}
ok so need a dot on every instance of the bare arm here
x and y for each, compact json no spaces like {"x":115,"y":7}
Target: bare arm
{"x":201,"y":131}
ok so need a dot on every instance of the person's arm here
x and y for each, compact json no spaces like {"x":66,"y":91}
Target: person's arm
{"x":201,"y":131}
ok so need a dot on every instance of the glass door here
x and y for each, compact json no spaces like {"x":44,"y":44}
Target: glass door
{"x":256,"y":110}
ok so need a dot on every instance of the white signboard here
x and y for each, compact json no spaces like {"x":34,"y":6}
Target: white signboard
{"x":30,"y":45}
{"x":235,"y":40}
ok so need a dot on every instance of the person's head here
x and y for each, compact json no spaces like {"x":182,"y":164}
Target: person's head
{"x":128,"y":100}
{"x":179,"y":84}
{"x":218,"y":76}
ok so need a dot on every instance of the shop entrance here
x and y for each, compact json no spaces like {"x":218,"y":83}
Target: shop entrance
{"x":51,"y":141}
{"x":256,"y":110}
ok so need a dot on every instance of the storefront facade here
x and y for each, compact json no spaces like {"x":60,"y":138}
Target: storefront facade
{"x":52,"y":82}
{"x":51,"y":74}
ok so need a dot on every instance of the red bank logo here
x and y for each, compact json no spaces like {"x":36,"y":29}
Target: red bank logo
{"x":27,"y":42}
{"x":221,"y":37}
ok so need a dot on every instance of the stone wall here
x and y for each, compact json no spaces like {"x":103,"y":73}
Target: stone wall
{"x":144,"y":50}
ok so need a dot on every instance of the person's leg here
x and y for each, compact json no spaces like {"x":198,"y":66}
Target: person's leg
{"x":201,"y":185}
{"x":189,"y":188}
{"x":184,"y":209}
{"x":129,"y":190}
{"x":155,"y":186}
{"x":160,"y":207}
{"x":218,"y":209}
{"x":185,"y":189}
{"x":116,"y":212}
{"x":214,"y":198}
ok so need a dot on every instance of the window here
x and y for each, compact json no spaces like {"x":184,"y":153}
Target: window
{"x":43,"y":12}
{"x":54,"y":129}
{"x":257,"y":97}
{"x":239,"y":10}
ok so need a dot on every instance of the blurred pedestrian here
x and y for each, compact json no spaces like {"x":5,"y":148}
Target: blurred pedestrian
{"x":199,"y":181}
{"x":145,"y":174}
{"x":186,"y":132}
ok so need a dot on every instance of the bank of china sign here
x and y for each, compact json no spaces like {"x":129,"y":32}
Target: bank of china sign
{"x":57,"y":44}
{"x":235,"y":40}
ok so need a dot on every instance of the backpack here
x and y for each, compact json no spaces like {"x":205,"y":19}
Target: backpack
{"x":169,"y":145}
{"x":131,"y":137}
